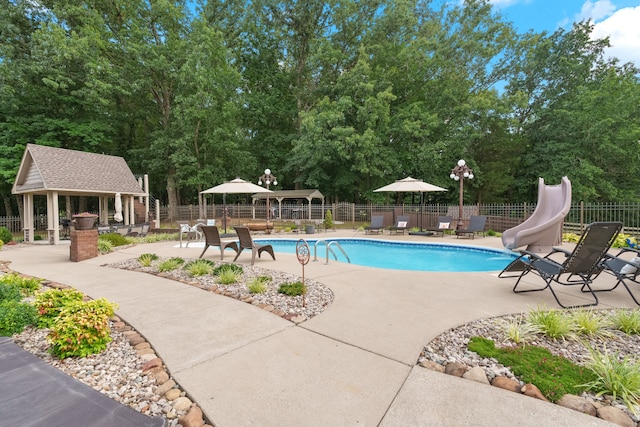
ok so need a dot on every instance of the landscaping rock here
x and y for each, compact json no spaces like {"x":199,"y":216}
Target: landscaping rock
{"x":507,"y":384}
{"x":456,"y":369}
{"x":476,"y":374}
{"x":193,"y":418}
{"x":163,"y":388}
{"x":616,"y":416}
{"x":432,"y":366}
{"x":577,"y":403}
{"x":533,"y":391}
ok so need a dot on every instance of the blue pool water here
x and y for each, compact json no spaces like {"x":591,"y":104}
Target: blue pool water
{"x":404,"y":255}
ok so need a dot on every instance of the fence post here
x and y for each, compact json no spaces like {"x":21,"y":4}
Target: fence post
{"x":581,"y":217}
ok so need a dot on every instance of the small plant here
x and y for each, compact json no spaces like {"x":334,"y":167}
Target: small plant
{"x":50,"y":303}
{"x":104,"y":246}
{"x":145,"y":260}
{"x":226,"y":267}
{"x":519,"y":331}
{"x":627,"y":321}
{"x":259,"y":284}
{"x":554,"y":324}
{"x":589,"y":322}
{"x":170,"y":264}
{"x":82,"y":328}
{"x":5,"y":235}
{"x":227,"y":277}
{"x":200,"y":267}
{"x":292,"y":289}
{"x":115,"y":239}
{"x":616,"y":377}
{"x":10,"y":292}
{"x":27,"y":286}
{"x":328,"y":220}
{"x":15,"y":315}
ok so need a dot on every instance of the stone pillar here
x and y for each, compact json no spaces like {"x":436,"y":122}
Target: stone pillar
{"x":84,"y":245}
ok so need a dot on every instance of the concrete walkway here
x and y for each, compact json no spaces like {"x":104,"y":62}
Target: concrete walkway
{"x":354,"y":364}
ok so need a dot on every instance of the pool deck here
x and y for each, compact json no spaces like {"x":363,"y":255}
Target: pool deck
{"x":354,"y":364}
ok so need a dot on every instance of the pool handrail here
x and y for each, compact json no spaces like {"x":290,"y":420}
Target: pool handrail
{"x":328,"y":249}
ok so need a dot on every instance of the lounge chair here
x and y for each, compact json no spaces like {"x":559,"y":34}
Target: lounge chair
{"x":375,"y":226}
{"x":625,"y":270}
{"x":212,"y":238}
{"x":246,"y":242}
{"x":476,"y":225}
{"x":445,"y":223}
{"x":578,"y":267}
{"x":401,"y":225}
{"x":144,"y":229}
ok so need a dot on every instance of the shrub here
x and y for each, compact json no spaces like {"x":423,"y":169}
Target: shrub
{"x":227,"y":276}
{"x":627,"y":321}
{"x":5,"y":235}
{"x":1,"y":244}
{"x":519,"y":331}
{"x":82,"y":328}
{"x":27,"y":286}
{"x":49,"y":304}
{"x":589,"y":322}
{"x":619,"y":378}
{"x":115,"y":239}
{"x":570,"y":237}
{"x":10,"y":292}
{"x":104,"y":246}
{"x":15,"y":315}
{"x":199,"y":267}
{"x":145,"y":260}
{"x":170,"y":264}
{"x":258,"y":285}
{"x":227,"y":267}
{"x":553,"y":323}
{"x":328,"y":220}
{"x":292,"y":289}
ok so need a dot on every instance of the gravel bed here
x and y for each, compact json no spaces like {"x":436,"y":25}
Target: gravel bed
{"x":314,"y":302}
{"x":451,"y":346}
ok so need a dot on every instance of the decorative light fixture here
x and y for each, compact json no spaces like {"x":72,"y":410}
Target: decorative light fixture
{"x":268,"y":179}
{"x":459,"y":173}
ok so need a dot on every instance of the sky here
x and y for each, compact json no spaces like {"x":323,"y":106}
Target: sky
{"x":618,"y":19}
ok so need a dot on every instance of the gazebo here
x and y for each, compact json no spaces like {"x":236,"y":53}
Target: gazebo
{"x":55,"y":172}
{"x":281,"y":195}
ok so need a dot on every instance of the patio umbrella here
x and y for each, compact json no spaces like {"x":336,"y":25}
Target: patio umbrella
{"x":412,"y":185}
{"x":117,"y":216}
{"x":235,"y":186}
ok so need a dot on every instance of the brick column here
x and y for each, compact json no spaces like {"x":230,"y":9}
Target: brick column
{"x":84,"y":245}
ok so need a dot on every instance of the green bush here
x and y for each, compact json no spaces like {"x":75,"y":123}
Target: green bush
{"x":5,"y":235}
{"x":115,"y":239}
{"x":49,"y":304}
{"x":258,"y":285}
{"x":15,"y":315}
{"x":627,"y":321}
{"x":199,"y":267}
{"x":292,"y":289}
{"x":145,"y":260}
{"x":328,"y":220}
{"x":227,"y":276}
{"x":170,"y":264}
{"x":104,"y":246}
{"x":10,"y":292}
{"x":617,"y":377}
{"x":27,"y":286}
{"x":82,"y":328}
{"x":227,"y":267}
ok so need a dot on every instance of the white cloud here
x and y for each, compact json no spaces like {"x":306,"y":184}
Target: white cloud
{"x":623,"y":31}
{"x":595,"y":10}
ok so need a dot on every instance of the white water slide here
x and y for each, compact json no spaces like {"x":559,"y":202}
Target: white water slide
{"x":543,"y":229}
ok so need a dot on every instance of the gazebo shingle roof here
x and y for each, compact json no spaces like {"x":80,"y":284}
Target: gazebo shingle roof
{"x":69,"y":172}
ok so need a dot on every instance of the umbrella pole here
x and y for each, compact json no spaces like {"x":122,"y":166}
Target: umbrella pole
{"x":224,"y":212}
{"x":421,"y":209}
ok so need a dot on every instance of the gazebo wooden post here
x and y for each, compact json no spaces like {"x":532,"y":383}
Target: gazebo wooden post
{"x":53,"y":218}
{"x":27,"y":226}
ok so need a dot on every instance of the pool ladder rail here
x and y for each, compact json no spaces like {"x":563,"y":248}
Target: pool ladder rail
{"x":328,"y":246}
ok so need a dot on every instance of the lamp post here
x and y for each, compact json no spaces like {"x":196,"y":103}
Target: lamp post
{"x":268,"y":179}
{"x":459,"y":173}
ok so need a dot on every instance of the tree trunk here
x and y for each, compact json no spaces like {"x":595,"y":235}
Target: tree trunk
{"x":172,"y":195}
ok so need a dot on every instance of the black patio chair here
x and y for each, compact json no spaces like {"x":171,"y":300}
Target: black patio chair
{"x":578,"y":267}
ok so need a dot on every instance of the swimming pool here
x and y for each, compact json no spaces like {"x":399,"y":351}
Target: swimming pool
{"x":404,"y":255}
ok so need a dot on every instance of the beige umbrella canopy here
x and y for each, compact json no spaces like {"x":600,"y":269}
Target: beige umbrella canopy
{"x":412,"y":185}
{"x":235,"y":186}
{"x":117,"y":216}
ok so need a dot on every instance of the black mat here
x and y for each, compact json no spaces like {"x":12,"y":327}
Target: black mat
{"x":35,"y":394}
